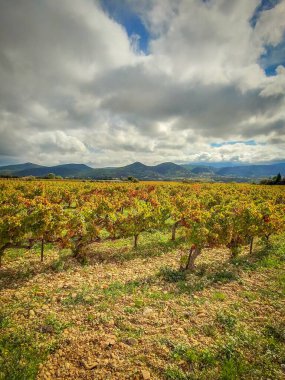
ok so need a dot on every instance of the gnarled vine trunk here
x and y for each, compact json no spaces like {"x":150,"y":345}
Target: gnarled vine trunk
{"x":194,"y":252}
{"x":251,"y":245}
{"x":173,"y":230}
{"x":136,"y":237}
{"x":235,"y":248}
{"x":42,"y":250}
{"x":78,"y":245}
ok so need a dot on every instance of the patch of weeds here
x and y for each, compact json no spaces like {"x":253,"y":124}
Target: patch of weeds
{"x":53,"y":325}
{"x":270,"y":293}
{"x":4,"y":319}
{"x":199,"y":300}
{"x":103,"y":306}
{"x":192,"y":331}
{"x":20,"y":355}
{"x":128,"y":330}
{"x":233,"y":369}
{"x":244,"y":263}
{"x":197,"y":359}
{"x":194,"y":284}
{"x":117,"y":289}
{"x":250,"y":296}
{"x":130,"y":310}
{"x":272,"y":254}
{"x":280,"y":283}
{"x":174,"y":373}
{"x":226,"y":320}
{"x":139,"y":303}
{"x":219,"y":296}
{"x":277,"y":331}
{"x":114,"y":290}
{"x":58,"y":265}
{"x":90,"y":318}
{"x":167,"y":342}
{"x":202,"y":270}
{"x":83,"y":260}
{"x":172,"y":275}
{"x":270,"y":261}
{"x":209,"y":330}
{"x":163,"y":296}
{"x":223,"y":277}
{"x":83,"y":297}
{"x":227,"y":349}
{"x":15,"y":253}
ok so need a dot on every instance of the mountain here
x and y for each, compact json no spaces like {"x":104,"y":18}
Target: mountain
{"x":164,"y":171}
{"x":199,"y":170}
{"x":67,"y":170}
{"x":137,"y":169}
{"x":167,"y":170}
{"x":253,"y":171}
{"x":10,"y":169}
{"x":213,"y":165}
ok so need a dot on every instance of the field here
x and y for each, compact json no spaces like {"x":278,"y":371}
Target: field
{"x":112,"y":309}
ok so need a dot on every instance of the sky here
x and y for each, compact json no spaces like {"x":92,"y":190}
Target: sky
{"x":108,"y":82}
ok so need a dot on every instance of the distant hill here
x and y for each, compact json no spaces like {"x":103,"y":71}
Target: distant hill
{"x":253,"y":171}
{"x":166,"y":170}
{"x":169,"y":169}
{"x":213,"y":165}
{"x":203,"y":170}
{"x":10,"y":169}
{"x":68,"y":170}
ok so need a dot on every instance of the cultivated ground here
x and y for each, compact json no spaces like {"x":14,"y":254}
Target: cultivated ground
{"x":131,"y":314}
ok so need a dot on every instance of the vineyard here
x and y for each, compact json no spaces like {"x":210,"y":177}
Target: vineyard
{"x":76,"y":214}
{"x":188,"y":280}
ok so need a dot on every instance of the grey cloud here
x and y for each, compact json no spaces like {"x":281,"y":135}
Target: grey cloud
{"x":72,"y":88}
{"x":212,"y":110}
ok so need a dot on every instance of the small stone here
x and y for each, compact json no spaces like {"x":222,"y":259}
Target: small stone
{"x":89,"y":365}
{"x":40,"y":294}
{"x":130,"y":341}
{"x":32,"y":313}
{"x":145,"y":374}
{"x":110,"y":340}
{"x":147,"y":311}
{"x":46,"y":329}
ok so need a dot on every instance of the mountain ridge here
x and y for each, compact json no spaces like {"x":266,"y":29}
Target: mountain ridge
{"x":162,"y":171}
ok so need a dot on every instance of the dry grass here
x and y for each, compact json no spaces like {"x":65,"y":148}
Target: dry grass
{"x":129,"y":314}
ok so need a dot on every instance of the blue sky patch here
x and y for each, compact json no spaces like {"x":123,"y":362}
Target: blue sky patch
{"x":247,"y":142}
{"x":264,"y":5}
{"x":273,"y":55}
{"x":124,"y":15}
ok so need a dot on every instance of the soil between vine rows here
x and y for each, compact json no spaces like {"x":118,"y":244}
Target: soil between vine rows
{"x":131,"y":314}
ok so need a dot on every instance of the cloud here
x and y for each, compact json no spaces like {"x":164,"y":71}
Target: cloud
{"x":76,"y":88}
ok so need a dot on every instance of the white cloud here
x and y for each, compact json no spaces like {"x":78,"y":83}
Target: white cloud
{"x":276,"y":84}
{"x":76,"y":88}
{"x":271,"y":25}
